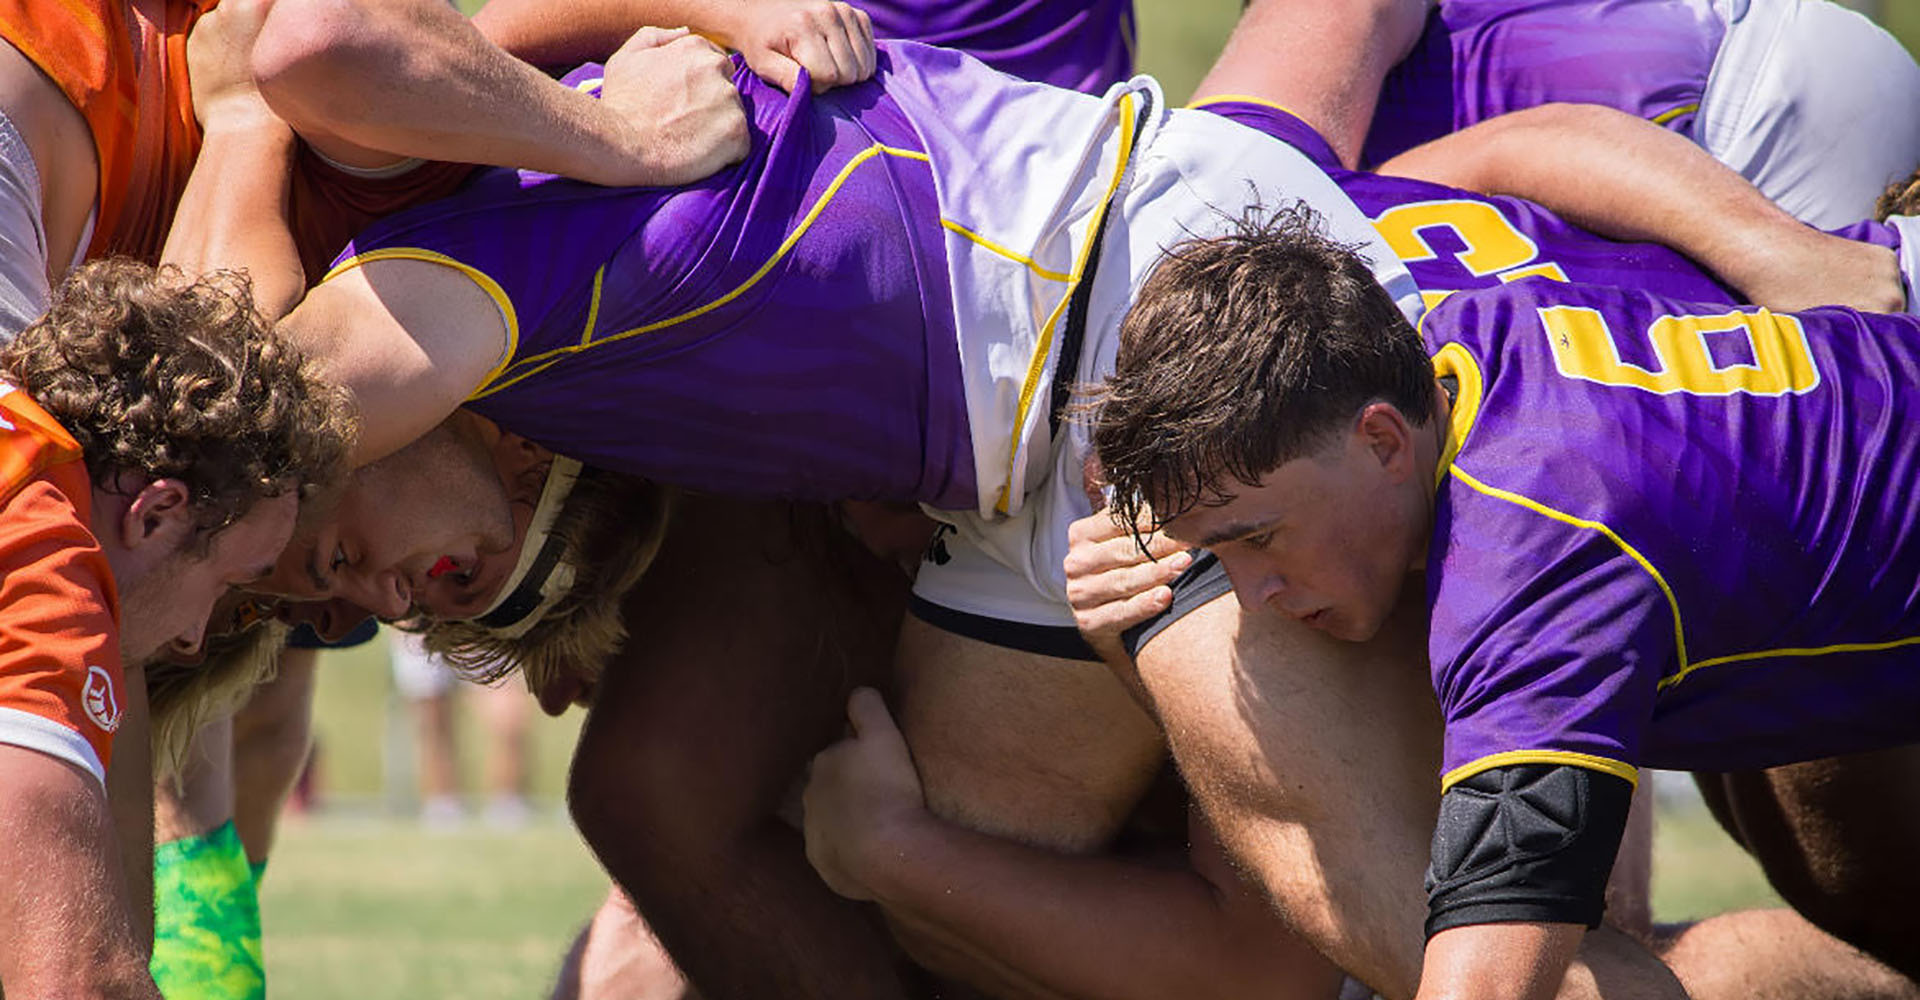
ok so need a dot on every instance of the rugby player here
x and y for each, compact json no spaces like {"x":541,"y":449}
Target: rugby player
{"x":146,"y":476}
{"x":453,"y":568}
{"x":1576,"y":630}
{"x":215,"y":823}
{"x":396,"y":591}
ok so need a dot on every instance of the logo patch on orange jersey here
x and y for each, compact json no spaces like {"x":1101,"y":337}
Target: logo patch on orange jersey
{"x":99,"y":700}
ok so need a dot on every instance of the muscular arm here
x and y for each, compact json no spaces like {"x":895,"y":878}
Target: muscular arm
{"x":66,"y":931}
{"x":1498,"y":962}
{"x":833,"y":41}
{"x":700,"y":727}
{"x":366,"y":80}
{"x":1323,"y":60}
{"x":998,"y":911}
{"x":1629,"y":179}
{"x":130,"y":794}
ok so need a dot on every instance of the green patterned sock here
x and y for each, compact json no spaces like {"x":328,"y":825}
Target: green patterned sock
{"x":206,"y":919}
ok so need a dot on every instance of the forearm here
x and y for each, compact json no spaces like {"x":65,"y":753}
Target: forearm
{"x":565,"y":33}
{"x":414,"y":78}
{"x":64,"y":931}
{"x":1322,"y":60}
{"x":1092,"y":926}
{"x":1498,"y":962}
{"x":233,"y":213}
{"x":130,"y":798}
{"x":1629,"y":179}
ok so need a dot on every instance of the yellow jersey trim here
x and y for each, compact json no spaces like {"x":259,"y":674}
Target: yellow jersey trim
{"x":1687,"y":666}
{"x":1673,"y":604}
{"x":1766,"y":654}
{"x":1568,"y":758}
{"x":1671,"y":113}
{"x":1212,"y":99}
{"x":492,"y":386}
{"x":593,"y":306}
{"x":1018,"y":258}
{"x":1036,"y":365}
{"x":1457,"y":361}
{"x":479,"y":277}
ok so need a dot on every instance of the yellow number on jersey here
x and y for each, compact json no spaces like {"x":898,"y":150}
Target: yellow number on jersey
{"x":1584,"y":348}
{"x":1493,"y":245}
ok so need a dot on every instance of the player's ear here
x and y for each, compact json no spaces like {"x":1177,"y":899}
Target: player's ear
{"x":159,"y":518}
{"x":522,"y":461}
{"x":1388,"y":438}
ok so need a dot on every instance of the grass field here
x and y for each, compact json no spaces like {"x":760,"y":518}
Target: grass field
{"x":361,"y":903}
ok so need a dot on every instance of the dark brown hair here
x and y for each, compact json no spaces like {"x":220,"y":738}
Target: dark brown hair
{"x":1902,"y":197}
{"x":1243,"y":352}
{"x":163,"y":376}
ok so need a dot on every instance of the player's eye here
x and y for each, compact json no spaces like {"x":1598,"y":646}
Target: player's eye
{"x":1259,"y":541}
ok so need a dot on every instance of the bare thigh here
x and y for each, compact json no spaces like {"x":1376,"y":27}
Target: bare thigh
{"x":1047,"y":751}
{"x":1317,"y":763}
{"x":1836,"y":839}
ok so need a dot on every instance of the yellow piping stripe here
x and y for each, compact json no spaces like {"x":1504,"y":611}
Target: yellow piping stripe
{"x":786,"y":247}
{"x":1605,"y":765}
{"x":1242,"y":99}
{"x":1679,"y":636}
{"x":479,"y":277}
{"x":955,"y":227}
{"x":1455,"y":360}
{"x":1846,"y":647}
{"x":1687,"y":667}
{"x":593,"y":307}
{"x":1037,"y":364}
{"x":1670,"y":114}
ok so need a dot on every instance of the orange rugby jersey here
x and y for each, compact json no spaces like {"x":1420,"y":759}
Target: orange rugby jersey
{"x":60,"y":674}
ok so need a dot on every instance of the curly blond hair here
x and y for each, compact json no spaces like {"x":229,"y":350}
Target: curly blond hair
{"x":165,"y":376}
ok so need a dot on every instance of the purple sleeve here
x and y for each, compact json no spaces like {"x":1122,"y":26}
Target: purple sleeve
{"x":1547,"y":639}
{"x":1280,"y":123}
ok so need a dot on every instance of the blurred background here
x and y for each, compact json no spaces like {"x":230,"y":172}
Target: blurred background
{"x":417,"y":865}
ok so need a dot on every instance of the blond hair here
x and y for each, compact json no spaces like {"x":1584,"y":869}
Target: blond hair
{"x":611,"y":526}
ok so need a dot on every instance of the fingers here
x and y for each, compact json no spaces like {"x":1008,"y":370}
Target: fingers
{"x":860,"y":29}
{"x":652,"y":38}
{"x":1098,"y":546}
{"x":1119,"y":583}
{"x":779,"y":69}
{"x":867,"y":713}
{"x":1112,"y":618}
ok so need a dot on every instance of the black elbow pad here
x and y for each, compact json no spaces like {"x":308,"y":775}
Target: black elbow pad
{"x":1528,"y":843}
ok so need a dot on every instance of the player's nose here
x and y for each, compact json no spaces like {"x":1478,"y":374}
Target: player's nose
{"x":385,"y":594}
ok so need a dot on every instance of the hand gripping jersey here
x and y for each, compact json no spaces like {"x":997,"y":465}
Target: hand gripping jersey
{"x":871,"y":306}
{"x":60,"y":673}
{"x":1673,"y":534}
{"x":1084,"y":45}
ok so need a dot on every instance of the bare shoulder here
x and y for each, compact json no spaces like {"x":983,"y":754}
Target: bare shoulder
{"x":411,"y":336}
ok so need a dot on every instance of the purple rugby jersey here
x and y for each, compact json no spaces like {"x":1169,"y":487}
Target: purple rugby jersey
{"x":1082,"y":45}
{"x":1481,"y":58}
{"x":1454,"y":240}
{"x":677,"y":333}
{"x":1674,"y":534}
